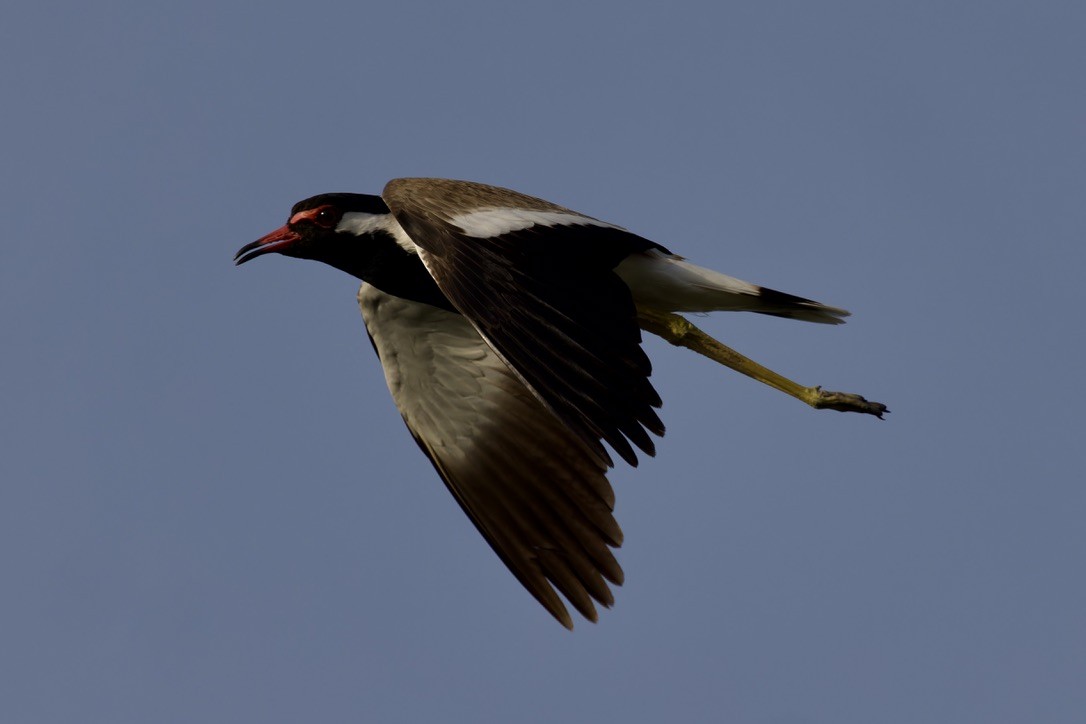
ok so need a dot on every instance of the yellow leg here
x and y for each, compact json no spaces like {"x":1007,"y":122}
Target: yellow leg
{"x":681,"y":332}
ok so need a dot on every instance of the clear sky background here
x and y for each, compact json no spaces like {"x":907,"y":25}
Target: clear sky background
{"x":211,"y":512}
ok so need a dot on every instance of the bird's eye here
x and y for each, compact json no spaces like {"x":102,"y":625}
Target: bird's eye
{"x":326,"y":217}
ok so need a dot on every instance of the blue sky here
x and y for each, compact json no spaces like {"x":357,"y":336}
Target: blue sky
{"x":210,"y":510}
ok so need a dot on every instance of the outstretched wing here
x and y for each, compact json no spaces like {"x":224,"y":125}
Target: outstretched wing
{"x":537,"y":281}
{"x":532,"y":488}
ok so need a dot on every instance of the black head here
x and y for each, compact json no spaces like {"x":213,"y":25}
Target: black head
{"x":324,"y":228}
{"x":353,"y":233}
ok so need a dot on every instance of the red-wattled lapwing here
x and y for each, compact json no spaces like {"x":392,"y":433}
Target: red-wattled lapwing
{"x":509,"y":329}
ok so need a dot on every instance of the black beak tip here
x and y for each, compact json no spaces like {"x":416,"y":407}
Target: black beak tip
{"x":279,"y":241}
{"x":250,"y":252}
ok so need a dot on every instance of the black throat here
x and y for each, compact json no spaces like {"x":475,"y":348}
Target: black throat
{"x":376,"y":258}
{"x":373,"y":257}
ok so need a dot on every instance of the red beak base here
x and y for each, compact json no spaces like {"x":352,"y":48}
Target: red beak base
{"x":278,"y":241}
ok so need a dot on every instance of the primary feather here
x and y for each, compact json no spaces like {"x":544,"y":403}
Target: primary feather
{"x":508,"y":332}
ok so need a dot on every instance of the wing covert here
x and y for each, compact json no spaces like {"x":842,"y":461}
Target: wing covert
{"x":531,"y":487}
{"x":537,"y":280}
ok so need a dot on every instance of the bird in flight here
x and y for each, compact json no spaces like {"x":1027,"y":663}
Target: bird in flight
{"x":509,"y":330}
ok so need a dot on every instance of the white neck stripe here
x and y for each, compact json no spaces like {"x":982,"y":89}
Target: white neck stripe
{"x":360,"y":223}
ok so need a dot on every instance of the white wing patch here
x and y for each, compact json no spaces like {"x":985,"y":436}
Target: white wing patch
{"x":436,"y":367}
{"x":488,"y":223}
{"x":360,"y":224}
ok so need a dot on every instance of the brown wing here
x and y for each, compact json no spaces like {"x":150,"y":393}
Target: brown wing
{"x":538,"y":283}
{"x":534,"y":491}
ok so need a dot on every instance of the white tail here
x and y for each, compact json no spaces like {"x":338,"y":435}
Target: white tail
{"x":671,"y":284}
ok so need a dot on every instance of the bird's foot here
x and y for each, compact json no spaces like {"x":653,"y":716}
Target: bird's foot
{"x":846,"y":402}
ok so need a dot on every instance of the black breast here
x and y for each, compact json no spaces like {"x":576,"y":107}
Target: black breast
{"x":379,"y":260}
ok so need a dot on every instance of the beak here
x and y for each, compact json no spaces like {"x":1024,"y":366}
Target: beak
{"x":278,"y":241}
